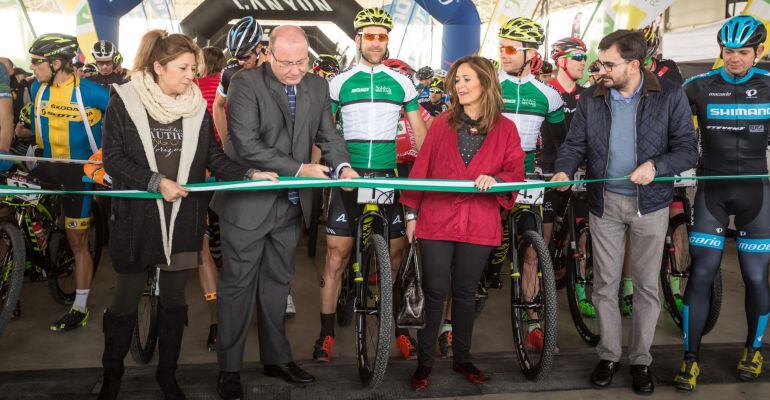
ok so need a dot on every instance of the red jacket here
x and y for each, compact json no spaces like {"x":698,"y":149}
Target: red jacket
{"x":465,"y":217}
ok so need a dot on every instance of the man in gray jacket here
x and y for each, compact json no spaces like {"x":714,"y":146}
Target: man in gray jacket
{"x":629,"y":124}
{"x":275,"y":114}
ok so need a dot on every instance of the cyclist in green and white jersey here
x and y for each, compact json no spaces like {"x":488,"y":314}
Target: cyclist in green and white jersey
{"x":537,"y":109}
{"x":532,"y":105}
{"x":369,"y":97}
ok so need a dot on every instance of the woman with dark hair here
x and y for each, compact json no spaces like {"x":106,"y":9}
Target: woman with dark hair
{"x":457,"y":231}
{"x":158,"y":136}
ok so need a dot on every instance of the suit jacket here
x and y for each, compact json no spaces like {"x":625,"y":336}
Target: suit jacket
{"x":262,"y":136}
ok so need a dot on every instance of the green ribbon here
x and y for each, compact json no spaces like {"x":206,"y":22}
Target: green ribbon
{"x":431,"y":185}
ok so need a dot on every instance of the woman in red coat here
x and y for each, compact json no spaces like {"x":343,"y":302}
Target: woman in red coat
{"x":457,"y":231}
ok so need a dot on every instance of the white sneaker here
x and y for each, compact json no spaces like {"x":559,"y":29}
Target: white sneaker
{"x":290,"y":309}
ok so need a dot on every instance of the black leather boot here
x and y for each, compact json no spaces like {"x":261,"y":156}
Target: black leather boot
{"x":117,"y":341}
{"x":171,"y":323}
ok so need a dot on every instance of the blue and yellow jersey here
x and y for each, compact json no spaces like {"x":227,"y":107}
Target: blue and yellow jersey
{"x":62,"y":133}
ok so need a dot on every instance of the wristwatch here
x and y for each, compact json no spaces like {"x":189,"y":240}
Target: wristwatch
{"x":411,"y":217}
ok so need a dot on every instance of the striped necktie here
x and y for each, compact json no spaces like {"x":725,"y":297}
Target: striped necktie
{"x":293,"y":193}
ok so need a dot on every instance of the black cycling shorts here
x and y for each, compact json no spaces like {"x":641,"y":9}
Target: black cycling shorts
{"x":77,"y":208}
{"x":344,"y":211}
{"x":554,"y":202}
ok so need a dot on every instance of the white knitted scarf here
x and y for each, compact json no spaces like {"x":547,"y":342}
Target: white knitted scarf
{"x":162,"y":107}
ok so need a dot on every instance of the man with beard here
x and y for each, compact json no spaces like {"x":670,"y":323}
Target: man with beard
{"x":630,"y":124}
{"x":370,"y":97}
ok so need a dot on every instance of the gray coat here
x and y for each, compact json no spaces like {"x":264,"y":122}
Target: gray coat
{"x":262,"y":136}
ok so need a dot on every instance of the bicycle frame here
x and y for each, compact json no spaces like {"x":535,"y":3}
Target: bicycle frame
{"x":364,"y":230}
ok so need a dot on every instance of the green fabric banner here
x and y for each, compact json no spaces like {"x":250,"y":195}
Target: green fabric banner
{"x":433,"y":185}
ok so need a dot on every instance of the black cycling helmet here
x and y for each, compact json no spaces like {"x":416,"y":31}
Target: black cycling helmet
{"x":118,"y":59}
{"x":652,"y":40}
{"x":425,"y":73}
{"x":327,"y":63}
{"x":437,"y":85}
{"x":104,"y":50}
{"x":90,"y":69}
{"x":244,"y":37}
{"x":547,"y":68}
{"x":55,"y":45}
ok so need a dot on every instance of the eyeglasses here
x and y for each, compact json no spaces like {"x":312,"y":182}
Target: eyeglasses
{"x":593,"y":69}
{"x":37,"y":61}
{"x":577,"y":56}
{"x":100,"y":63}
{"x":301,"y":64}
{"x":436,"y":90}
{"x":371,"y":37}
{"x":608,"y":66}
{"x":510,"y":50}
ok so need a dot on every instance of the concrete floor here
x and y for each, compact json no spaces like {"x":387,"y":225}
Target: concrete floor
{"x":28,"y":344}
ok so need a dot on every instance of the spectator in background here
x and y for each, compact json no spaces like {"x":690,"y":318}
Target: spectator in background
{"x":213,"y":62}
{"x":209,"y":75}
{"x":79,"y":69}
{"x":6,"y":114}
{"x":19,"y":87}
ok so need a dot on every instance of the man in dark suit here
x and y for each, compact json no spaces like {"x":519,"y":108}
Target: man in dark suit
{"x":275,"y":114}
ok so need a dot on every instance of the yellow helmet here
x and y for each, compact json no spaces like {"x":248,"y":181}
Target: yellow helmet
{"x":523,"y":30}
{"x":374,"y":16}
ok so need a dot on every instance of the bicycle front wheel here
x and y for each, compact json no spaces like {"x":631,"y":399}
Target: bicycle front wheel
{"x":145,"y":334}
{"x":675,"y":271}
{"x":533,"y":307}
{"x":374,"y":312}
{"x":580,"y":278}
{"x":346,"y":297}
{"x":12,"y":257}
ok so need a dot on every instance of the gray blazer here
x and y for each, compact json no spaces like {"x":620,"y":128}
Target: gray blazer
{"x":261,"y":136}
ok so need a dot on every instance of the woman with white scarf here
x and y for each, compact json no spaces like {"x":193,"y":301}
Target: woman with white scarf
{"x":158,"y":136}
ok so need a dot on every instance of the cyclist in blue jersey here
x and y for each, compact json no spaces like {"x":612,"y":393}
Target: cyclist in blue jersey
{"x":731,"y":104}
{"x":66,"y":121}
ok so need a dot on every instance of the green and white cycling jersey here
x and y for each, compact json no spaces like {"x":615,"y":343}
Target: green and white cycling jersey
{"x":529,"y":102}
{"x":370,"y":101}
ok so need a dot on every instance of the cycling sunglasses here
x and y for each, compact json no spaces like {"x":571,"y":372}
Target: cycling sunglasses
{"x":577,"y":56}
{"x":511,"y":51}
{"x":37,"y":61}
{"x":371,"y":37}
{"x":262,"y":51}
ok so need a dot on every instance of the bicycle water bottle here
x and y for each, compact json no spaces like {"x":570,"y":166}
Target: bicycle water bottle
{"x":37,"y":228}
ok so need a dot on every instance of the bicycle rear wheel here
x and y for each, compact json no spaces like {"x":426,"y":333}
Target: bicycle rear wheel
{"x":145,"y":334}
{"x":534,"y":361}
{"x":12,"y":257}
{"x":61,"y":277}
{"x":580,"y":283}
{"x":374,"y":312}
{"x":675,"y":271}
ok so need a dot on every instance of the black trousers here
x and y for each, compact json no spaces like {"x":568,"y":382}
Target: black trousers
{"x":458,"y":266}
{"x":131,"y":286}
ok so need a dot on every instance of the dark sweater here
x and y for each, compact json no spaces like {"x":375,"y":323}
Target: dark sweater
{"x":135,"y":234}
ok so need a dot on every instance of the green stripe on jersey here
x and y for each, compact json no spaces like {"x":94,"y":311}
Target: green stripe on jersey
{"x":372,"y":155}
